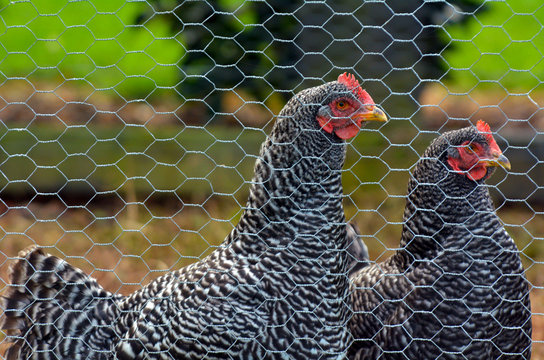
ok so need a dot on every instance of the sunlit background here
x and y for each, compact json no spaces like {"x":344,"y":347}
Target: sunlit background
{"x":129,"y":130}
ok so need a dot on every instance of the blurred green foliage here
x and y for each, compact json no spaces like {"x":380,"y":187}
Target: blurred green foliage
{"x":198,"y":50}
{"x":500,"y":47}
{"x":247,"y":46}
{"x":95,"y":41}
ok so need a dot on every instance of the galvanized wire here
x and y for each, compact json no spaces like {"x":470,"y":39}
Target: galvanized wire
{"x":129,"y":129}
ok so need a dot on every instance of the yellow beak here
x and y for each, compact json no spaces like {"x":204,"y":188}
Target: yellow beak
{"x":497,"y":160}
{"x":370,"y":113}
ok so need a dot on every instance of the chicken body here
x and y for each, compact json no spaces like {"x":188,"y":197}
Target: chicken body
{"x":276,"y":288}
{"x":456,"y":288}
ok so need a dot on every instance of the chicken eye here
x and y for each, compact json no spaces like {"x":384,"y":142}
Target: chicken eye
{"x":472,"y":147}
{"x":341,"y":105}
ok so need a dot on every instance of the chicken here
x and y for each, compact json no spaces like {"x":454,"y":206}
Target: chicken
{"x":456,"y":288}
{"x":276,"y":288}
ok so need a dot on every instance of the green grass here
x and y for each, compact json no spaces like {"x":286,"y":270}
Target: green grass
{"x":191,"y":162}
{"x":173,"y":159}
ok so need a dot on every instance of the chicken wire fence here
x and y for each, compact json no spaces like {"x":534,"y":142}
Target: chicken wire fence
{"x":129,"y":130}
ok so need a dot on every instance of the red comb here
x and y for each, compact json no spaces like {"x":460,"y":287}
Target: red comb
{"x":353,"y":84}
{"x":483,"y":127}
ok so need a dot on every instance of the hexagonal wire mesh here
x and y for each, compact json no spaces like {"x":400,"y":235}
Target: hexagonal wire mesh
{"x":130,"y":129}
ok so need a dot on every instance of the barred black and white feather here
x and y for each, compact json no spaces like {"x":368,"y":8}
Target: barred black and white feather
{"x":456,"y":289}
{"x":52,"y":305}
{"x":276,"y":288}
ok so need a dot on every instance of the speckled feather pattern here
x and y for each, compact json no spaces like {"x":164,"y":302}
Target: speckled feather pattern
{"x":456,"y":289}
{"x":275,"y":289}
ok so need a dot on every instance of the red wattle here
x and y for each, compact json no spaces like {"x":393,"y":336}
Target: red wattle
{"x":455,"y":166}
{"x":347,"y":132}
{"x":477,"y":172}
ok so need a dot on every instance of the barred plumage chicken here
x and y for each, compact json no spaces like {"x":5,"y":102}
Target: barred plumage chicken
{"x":276,"y":288}
{"x":456,"y":288}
